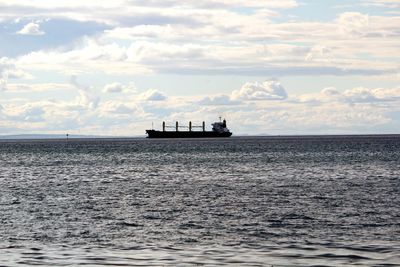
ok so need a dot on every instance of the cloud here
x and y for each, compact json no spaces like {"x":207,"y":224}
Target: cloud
{"x":87,"y":56}
{"x":31,"y":28}
{"x":7,"y":69}
{"x":30,"y":112}
{"x":39,"y":87}
{"x":113,"y":88}
{"x":355,"y":95}
{"x":357,"y":110}
{"x":353,"y":23}
{"x":116,"y":108}
{"x":330,"y":91}
{"x":86,"y":97}
{"x":383,"y":3}
{"x":267,"y":90}
{"x":152,"y":95}
{"x":361,"y":94}
{"x":220,"y":39}
{"x":389,"y":94}
{"x":319,"y":53}
{"x":3,"y":85}
{"x":119,"y":88}
{"x":345,"y":45}
{"x":33,"y":114}
{"x":108,"y":8}
{"x":4,"y":67}
{"x":133,"y":13}
{"x":219,"y":100}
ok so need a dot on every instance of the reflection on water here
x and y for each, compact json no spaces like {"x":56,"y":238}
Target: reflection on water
{"x":327,"y":201}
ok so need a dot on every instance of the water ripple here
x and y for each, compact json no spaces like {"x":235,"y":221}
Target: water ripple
{"x":330,"y":201}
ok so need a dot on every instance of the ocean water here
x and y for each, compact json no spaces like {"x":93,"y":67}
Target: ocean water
{"x":267,"y":201}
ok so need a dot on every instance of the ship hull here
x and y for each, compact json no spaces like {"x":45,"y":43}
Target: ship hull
{"x":186,"y":134}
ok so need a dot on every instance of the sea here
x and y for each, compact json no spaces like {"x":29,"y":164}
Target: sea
{"x":239,"y":201}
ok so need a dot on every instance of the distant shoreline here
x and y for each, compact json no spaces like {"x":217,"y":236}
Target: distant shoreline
{"x":57,"y":136}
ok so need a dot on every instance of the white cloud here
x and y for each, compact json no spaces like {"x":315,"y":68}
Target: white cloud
{"x":3,"y":85}
{"x":31,"y":28}
{"x":116,"y":108}
{"x":352,"y":96}
{"x":8,"y":70}
{"x":330,"y":91}
{"x":383,"y":3}
{"x":206,"y":38}
{"x":29,"y":112}
{"x":357,"y":110}
{"x":388,"y":94}
{"x":218,"y":100}
{"x":87,"y":56}
{"x":353,"y":23}
{"x":227,"y":42}
{"x":119,"y":88}
{"x":40,"y":87}
{"x":105,"y":5}
{"x":321,"y":53}
{"x":267,"y":90}
{"x":86,"y":98}
{"x":217,"y":58}
{"x":359,"y":94}
{"x":152,"y":95}
{"x":113,"y":88}
{"x":5,"y":65}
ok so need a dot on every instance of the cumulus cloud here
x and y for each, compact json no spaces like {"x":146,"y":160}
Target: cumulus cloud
{"x":119,"y":88}
{"x":152,"y":95}
{"x":210,"y":37}
{"x":330,"y":91}
{"x":7,"y":70}
{"x":3,"y":85}
{"x":113,"y":88}
{"x":353,"y":23}
{"x":306,"y":48}
{"x":4,"y":66}
{"x":357,"y":110}
{"x":31,"y":28}
{"x":219,"y":100}
{"x":88,"y":55}
{"x":30,"y":112}
{"x":267,"y":90}
{"x":389,"y":94}
{"x":361,"y":94}
{"x":86,"y":97}
{"x":116,"y":108}
{"x":319,"y":53}
{"x":353,"y":95}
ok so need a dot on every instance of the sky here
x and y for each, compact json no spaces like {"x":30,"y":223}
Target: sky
{"x":278,"y":67}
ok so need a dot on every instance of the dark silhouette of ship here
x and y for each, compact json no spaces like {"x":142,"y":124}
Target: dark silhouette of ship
{"x":219,"y":129}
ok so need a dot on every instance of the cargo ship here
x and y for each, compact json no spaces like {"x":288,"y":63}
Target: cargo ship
{"x":219,"y":129}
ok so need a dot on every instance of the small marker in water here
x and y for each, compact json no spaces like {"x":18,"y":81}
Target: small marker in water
{"x":67,"y":136}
